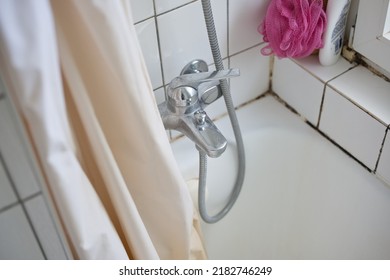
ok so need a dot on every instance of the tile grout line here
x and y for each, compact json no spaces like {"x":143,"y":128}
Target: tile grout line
{"x":159,"y":45}
{"x":291,"y":109}
{"x":160,"y":56}
{"x":228,"y":36}
{"x":326,"y":84}
{"x":163,"y":13}
{"x":339,"y":146}
{"x":228,"y":30}
{"x":288,"y":107}
{"x":173,"y":9}
{"x":296,"y":61}
{"x":246,"y":49}
{"x":271,"y":72}
{"x":321,"y":105}
{"x":381,"y":149}
{"x":9,"y":206}
{"x":23,"y":206}
{"x":355,"y":104}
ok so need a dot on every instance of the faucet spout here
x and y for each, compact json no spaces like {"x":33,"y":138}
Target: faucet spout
{"x":199,"y":128}
{"x":187,"y":96}
{"x":203,"y":132}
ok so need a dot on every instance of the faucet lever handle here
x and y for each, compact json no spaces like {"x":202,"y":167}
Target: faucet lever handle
{"x":194,"y":80}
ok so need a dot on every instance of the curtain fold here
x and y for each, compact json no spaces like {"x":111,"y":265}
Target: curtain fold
{"x":30,"y":67}
{"x":77,"y":74}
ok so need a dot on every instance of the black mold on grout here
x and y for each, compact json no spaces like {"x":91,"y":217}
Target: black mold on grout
{"x":270,"y":88}
{"x":321,"y":106}
{"x":381,"y":149}
{"x":326,"y":84}
{"x":340,"y":147}
{"x":353,"y":65}
{"x":358,"y":105}
{"x":313,"y":126}
{"x":271,"y":72}
{"x":285,"y":104}
{"x":322,"y":133}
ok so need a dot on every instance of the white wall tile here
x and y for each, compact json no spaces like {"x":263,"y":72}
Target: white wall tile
{"x":384,"y":162}
{"x":17,"y":241}
{"x":352,"y":128}
{"x":244,"y":18}
{"x":183,"y":36}
{"x":298,"y":88}
{"x":141,"y":9}
{"x":7,"y":195}
{"x":147,"y":37}
{"x":367,"y":90}
{"x":166,"y":5}
{"x":254,"y":78}
{"x":14,"y":152}
{"x":45,"y":229}
{"x":325,"y":74}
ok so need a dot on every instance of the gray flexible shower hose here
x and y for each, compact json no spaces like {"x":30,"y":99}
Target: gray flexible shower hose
{"x":213,"y":40}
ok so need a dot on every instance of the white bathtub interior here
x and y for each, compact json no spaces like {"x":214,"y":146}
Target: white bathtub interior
{"x":302,"y":198}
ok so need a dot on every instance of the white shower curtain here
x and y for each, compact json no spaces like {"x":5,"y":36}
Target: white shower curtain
{"x":75,"y":72}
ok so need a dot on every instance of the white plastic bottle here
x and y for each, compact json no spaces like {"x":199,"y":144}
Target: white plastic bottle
{"x":337,"y":14}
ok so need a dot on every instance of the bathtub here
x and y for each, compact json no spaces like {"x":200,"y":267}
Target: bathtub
{"x":302,"y":198}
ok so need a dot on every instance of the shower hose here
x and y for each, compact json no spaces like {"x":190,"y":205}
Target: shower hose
{"x":213,"y":40}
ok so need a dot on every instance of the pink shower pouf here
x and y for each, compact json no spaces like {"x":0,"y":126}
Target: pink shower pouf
{"x":293,"y":28}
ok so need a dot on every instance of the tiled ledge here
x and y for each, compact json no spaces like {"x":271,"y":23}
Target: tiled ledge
{"x":346,"y":102}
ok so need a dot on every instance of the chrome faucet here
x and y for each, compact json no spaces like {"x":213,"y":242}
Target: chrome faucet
{"x":187,"y":97}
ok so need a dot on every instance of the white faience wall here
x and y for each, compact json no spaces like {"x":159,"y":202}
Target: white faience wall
{"x":346,"y":102}
{"x":172,"y":33}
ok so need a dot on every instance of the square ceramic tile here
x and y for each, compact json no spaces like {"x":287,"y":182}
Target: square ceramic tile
{"x":45,"y":228}
{"x":141,"y":10}
{"x":367,"y":90}
{"x":14,"y":151}
{"x":324,"y":73}
{"x":244,"y":18}
{"x":7,"y":195}
{"x":254,"y":78}
{"x":183,"y":36}
{"x":384,"y":162}
{"x":299,"y":88}
{"x":17,"y":240}
{"x":352,"y":128}
{"x":166,"y":5}
{"x":147,"y":37}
